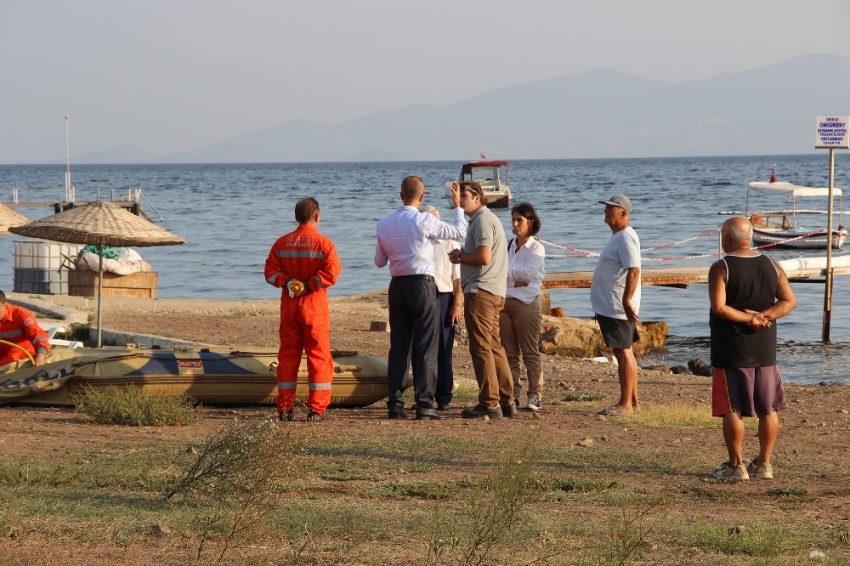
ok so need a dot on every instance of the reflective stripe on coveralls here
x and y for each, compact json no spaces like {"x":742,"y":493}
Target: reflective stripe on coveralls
{"x":309,"y":257}
{"x":19,"y":326}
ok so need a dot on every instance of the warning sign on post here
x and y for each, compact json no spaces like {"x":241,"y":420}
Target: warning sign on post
{"x":832,"y":132}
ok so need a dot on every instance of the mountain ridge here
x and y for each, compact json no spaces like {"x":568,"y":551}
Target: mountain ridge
{"x":601,"y":113}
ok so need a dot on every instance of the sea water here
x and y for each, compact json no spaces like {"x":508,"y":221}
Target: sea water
{"x":232,"y":214}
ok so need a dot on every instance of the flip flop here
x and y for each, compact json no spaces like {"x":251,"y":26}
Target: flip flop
{"x":612,"y":411}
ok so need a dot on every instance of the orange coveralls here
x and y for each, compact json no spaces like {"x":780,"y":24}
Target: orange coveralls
{"x":18,"y":325}
{"x":305,"y":321}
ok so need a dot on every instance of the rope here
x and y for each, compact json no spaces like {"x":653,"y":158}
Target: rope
{"x":585,"y":254}
{"x":703,"y":235}
{"x":782,"y":241}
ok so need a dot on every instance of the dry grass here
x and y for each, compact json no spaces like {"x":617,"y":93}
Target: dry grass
{"x":135,"y":406}
{"x":675,"y":415}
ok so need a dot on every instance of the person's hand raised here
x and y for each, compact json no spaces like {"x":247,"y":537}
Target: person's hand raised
{"x":455,"y":190}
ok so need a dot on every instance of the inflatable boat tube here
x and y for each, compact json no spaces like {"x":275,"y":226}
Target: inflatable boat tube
{"x":215,"y":376}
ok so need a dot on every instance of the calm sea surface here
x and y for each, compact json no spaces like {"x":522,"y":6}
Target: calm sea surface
{"x":231,"y":215}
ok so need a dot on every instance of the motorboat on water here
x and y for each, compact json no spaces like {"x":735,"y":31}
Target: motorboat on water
{"x":488,"y":174}
{"x":217,"y":376}
{"x":781,"y":228}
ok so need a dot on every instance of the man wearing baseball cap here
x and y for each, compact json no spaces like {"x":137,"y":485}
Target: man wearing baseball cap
{"x":615,"y":298}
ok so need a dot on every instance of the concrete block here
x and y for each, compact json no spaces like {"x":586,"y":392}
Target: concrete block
{"x":379,"y":326}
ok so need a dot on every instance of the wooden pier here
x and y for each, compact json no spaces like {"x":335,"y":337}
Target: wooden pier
{"x":60,"y":206}
{"x":679,"y":277}
{"x":131,"y":201}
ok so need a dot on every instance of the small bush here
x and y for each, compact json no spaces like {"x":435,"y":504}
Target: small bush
{"x":757,"y":538}
{"x":491,"y":512}
{"x":136,"y":407}
{"x":583,"y":397}
{"x":240,"y":475}
{"x":789,"y":491}
{"x":583,"y":486}
{"x":78,"y":332}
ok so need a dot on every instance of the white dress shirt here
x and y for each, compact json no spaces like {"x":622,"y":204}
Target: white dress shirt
{"x":404,"y":240}
{"x":526,"y":264}
{"x":445,"y":272}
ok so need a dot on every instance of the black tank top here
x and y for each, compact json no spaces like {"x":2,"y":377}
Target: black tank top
{"x":750,"y":284}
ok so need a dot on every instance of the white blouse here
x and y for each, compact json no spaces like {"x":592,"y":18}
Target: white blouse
{"x":526,"y":264}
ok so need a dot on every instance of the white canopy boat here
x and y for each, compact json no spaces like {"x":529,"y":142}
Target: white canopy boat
{"x":781,"y":228}
{"x":487,"y":174}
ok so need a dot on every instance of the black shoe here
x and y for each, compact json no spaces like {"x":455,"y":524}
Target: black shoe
{"x":480,"y":411}
{"x":285,"y":415}
{"x":444,"y":406}
{"x":313,"y":416}
{"x":509,"y":410}
{"x":428,"y":413}
{"x":397,"y":412}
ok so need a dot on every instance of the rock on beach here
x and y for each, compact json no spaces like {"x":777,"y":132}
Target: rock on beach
{"x":581,"y":338}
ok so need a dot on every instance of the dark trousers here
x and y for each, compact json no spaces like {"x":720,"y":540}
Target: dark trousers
{"x":445,"y":376}
{"x":414,"y":321}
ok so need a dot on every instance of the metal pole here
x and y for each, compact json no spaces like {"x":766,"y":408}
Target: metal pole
{"x":827,"y":293}
{"x":100,"y":298}
{"x":68,"y":161}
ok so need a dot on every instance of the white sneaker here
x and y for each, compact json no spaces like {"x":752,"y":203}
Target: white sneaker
{"x":533,"y":403}
{"x":763,"y":472}
{"x":726,"y":471}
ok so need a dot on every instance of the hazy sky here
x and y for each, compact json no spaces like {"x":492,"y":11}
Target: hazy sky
{"x":173,"y":75}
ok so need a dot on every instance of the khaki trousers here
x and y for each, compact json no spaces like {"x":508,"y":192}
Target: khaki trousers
{"x":481,"y":314}
{"x":519,"y":327}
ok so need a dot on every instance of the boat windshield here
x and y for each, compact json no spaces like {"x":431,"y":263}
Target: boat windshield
{"x":484,"y":175}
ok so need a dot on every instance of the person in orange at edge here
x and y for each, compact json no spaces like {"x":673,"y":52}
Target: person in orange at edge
{"x":18,"y":325}
{"x":304,"y":264}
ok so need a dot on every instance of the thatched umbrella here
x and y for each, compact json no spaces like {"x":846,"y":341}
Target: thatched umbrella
{"x":9,"y":217}
{"x":102,"y":224}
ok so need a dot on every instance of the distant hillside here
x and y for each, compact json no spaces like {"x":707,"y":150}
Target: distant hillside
{"x":600,"y":113}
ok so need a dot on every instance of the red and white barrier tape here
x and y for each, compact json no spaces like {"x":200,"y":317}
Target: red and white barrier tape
{"x":583,"y":253}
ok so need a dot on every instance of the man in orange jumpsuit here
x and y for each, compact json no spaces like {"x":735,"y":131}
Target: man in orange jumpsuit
{"x":304,"y":264}
{"x":18,"y":325}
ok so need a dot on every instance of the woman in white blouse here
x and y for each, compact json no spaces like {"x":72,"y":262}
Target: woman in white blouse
{"x":519,"y":324}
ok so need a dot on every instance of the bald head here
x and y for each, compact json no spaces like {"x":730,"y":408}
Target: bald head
{"x":412,"y":189}
{"x":737,"y":234}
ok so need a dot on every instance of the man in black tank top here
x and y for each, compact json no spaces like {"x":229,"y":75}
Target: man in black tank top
{"x":748,"y":293}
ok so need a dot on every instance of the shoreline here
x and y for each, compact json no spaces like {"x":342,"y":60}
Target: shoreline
{"x":167,"y":322}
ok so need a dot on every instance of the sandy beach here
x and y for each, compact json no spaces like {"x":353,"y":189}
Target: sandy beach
{"x":661,"y":457}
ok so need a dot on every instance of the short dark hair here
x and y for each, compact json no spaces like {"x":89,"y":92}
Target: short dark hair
{"x":412,"y":188}
{"x":2,"y":298}
{"x":306,"y":210}
{"x":527,"y":211}
{"x":473,"y":186}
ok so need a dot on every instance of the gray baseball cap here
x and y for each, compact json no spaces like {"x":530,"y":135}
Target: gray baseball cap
{"x":619,"y":200}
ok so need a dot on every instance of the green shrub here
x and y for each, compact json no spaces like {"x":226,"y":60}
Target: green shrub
{"x":762,"y":539}
{"x":582,"y":486}
{"x":136,"y":407}
{"x":240,"y":475}
{"x":579,"y":397}
{"x":78,"y":332}
{"x":789,"y":491}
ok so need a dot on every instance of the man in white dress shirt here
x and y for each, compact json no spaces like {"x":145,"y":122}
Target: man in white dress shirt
{"x":405,"y":242}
